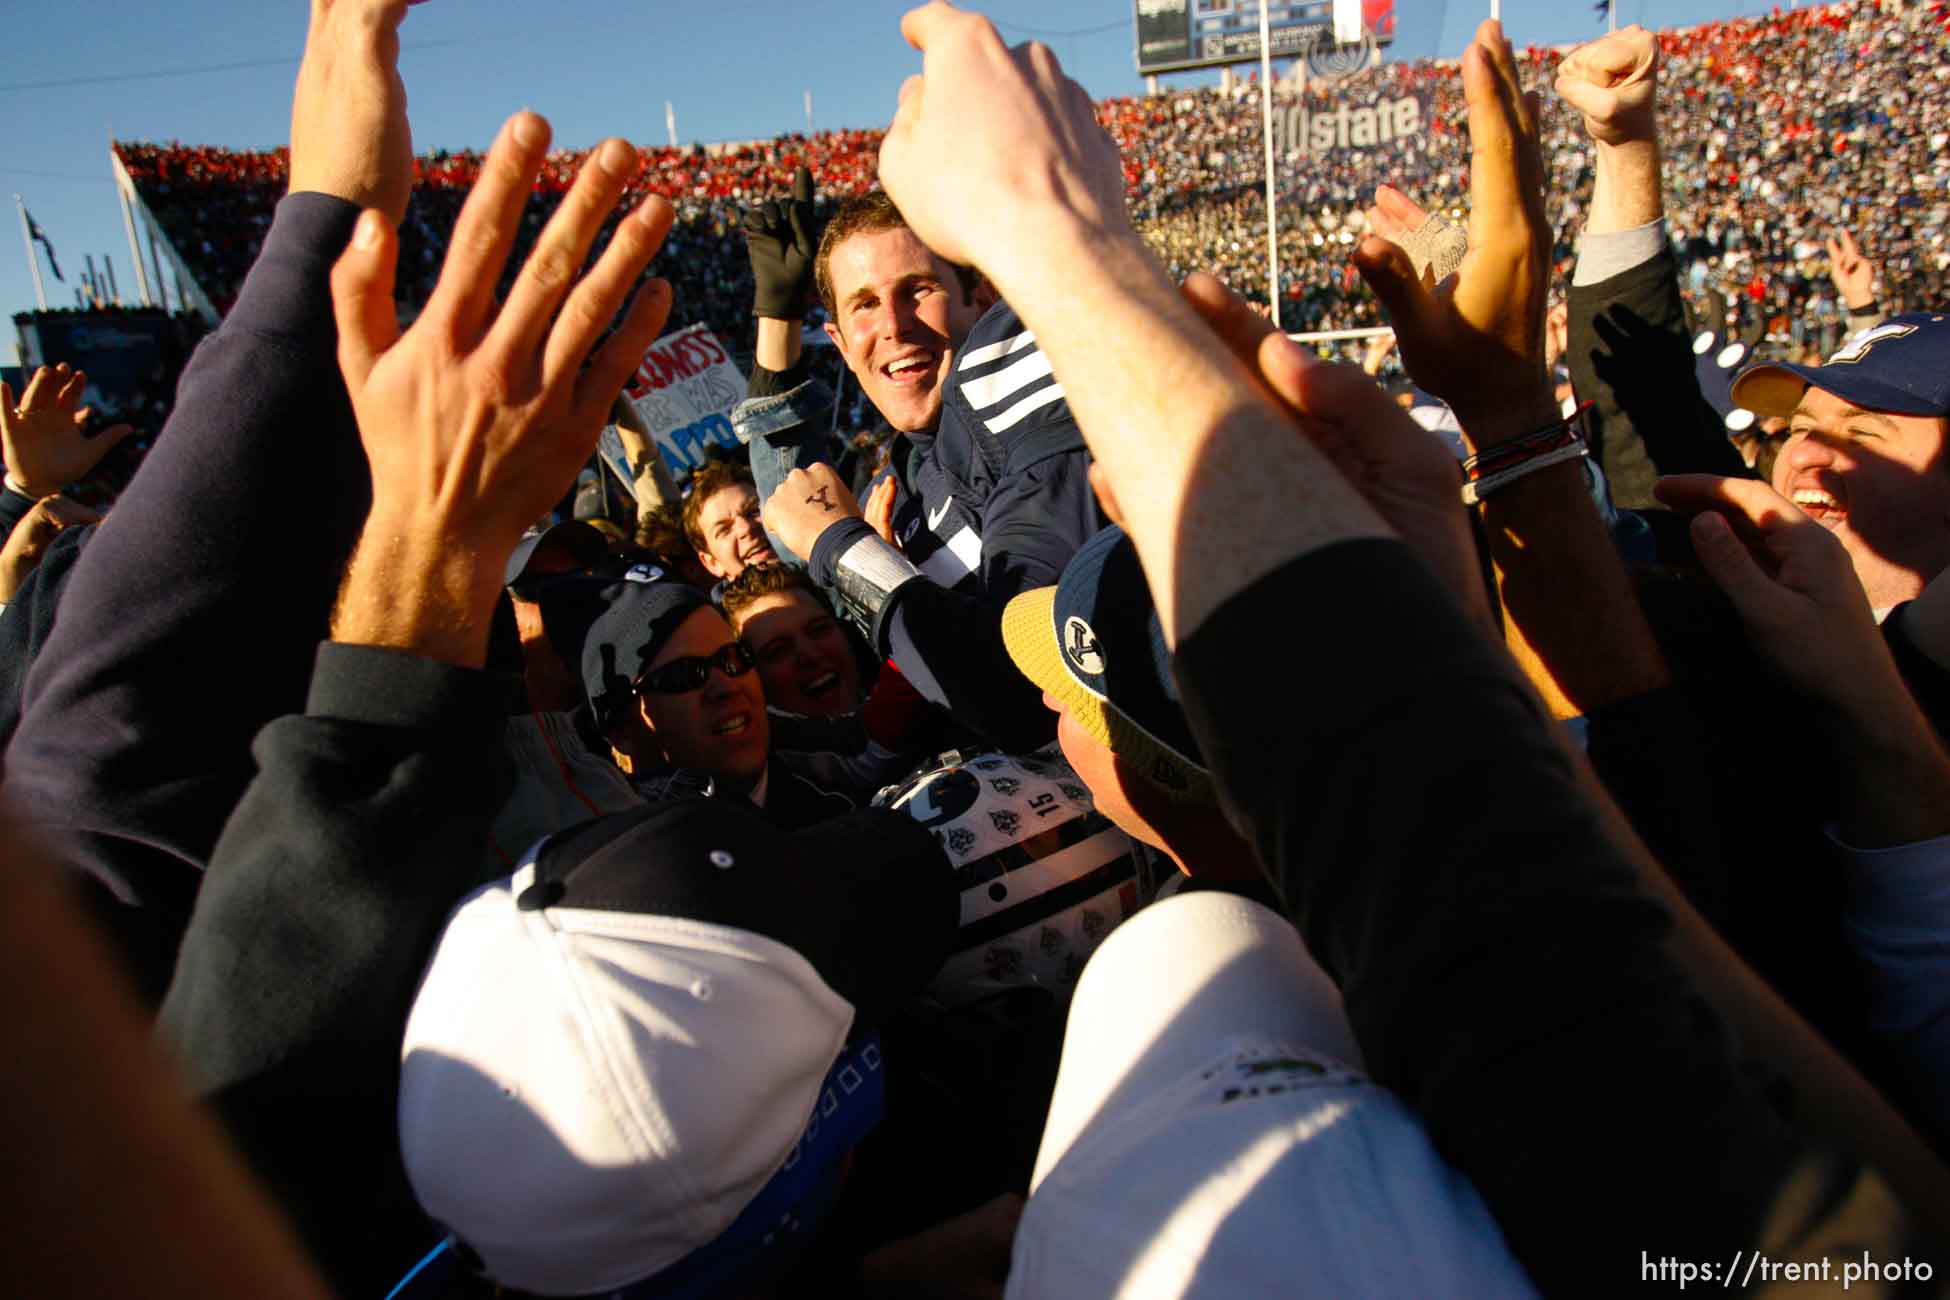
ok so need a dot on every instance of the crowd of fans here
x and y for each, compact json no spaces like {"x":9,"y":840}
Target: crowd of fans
{"x":1801,"y":123}
{"x":1153,"y":822}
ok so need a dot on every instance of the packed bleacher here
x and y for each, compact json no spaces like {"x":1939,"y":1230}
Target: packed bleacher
{"x":1802,"y":121}
{"x":1168,"y":815}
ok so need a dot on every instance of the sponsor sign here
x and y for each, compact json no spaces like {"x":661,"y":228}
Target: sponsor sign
{"x":1296,"y":129}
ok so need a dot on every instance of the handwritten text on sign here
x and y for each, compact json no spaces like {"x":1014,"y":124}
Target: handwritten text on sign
{"x":684,"y":391}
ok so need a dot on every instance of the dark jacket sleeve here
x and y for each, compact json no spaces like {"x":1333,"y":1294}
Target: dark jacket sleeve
{"x":13,"y":508}
{"x":771,"y":383}
{"x":29,"y":619}
{"x":365,"y":824}
{"x":1504,"y":970}
{"x":190,"y":620}
{"x":1650,"y":753}
{"x":1927,"y":682}
{"x":948,"y":641}
{"x":1631,"y":356}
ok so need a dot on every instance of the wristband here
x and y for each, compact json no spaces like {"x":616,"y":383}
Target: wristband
{"x":1505,"y":463}
{"x":14,"y":486}
{"x":1475,"y":490}
{"x":867,"y":574}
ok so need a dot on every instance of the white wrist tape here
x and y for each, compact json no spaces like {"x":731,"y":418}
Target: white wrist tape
{"x":868,"y":574}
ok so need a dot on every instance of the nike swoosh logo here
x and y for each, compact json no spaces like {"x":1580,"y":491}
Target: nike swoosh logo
{"x":936,"y":516}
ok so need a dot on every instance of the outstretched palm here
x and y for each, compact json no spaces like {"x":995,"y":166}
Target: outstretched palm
{"x":44,"y":437}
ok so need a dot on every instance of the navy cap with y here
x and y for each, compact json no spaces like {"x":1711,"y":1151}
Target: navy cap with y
{"x":1901,"y":367}
{"x":1094,"y":642}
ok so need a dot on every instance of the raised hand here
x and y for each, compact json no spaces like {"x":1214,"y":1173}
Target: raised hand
{"x":809,"y":501}
{"x":1035,"y":145}
{"x":781,"y":237}
{"x":1790,"y":580}
{"x":1614,"y":82}
{"x":880,"y":509}
{"x":43,"y":434}
{"x":349,"y":136}
{"x":1853,"y":275}
{"x":1477,"y":341}
{"x":477,"y":419}
{"x":1407,"y":476}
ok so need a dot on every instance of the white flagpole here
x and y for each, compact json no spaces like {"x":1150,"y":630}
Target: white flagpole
{"x":135,"y":249}
{"x":33,"y":258}
{"x":1266,"y":128}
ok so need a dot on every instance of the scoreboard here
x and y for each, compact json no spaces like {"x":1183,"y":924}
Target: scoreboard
{"x":1177,"y":35}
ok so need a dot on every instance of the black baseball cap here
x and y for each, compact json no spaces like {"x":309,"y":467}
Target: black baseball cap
{"x":621,"y":642}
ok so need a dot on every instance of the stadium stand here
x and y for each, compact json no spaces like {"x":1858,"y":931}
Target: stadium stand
{"x":1799,"y":122}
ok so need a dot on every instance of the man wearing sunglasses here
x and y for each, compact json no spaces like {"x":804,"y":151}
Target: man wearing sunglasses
{"x":673,"y":691}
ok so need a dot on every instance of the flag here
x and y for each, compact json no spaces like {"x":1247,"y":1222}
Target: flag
{"x":35,"y":232}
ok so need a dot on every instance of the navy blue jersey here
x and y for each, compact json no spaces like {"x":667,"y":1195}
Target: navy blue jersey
{"x":1003,"y":492}
{"x":937,"y":529}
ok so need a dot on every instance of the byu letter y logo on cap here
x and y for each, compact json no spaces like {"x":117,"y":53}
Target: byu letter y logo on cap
{"x":1857,"y":348}
{"x":1080,"y":644}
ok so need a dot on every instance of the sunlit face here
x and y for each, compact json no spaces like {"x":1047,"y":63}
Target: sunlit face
{"x":900,"y":315}
{"x":1097,"y":768}
{"x":719,"y":728}
{"x":1878,"y":482}
{"x":734,"y":537}
{"x":804,"y":658}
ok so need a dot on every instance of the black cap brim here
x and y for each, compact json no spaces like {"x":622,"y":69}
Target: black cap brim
{"x":868,"y":898}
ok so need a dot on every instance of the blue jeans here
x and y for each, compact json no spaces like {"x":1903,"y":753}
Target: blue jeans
{"x":784,"y":432}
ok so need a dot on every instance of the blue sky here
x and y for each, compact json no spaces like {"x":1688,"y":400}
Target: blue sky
{"x":735,"y":69}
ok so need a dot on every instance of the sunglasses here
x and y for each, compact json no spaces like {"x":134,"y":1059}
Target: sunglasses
{"x":682,"y":676}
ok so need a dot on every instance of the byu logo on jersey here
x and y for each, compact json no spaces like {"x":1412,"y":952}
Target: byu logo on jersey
{"x":1080,"y":644}
{"x":942,"y":797}
{"x":1858,"y":347}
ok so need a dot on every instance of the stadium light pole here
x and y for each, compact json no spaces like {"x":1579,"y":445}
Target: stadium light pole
{"x":1266,"y":129}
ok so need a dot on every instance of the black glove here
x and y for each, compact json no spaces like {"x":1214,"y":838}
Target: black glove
{"x":782,"y":240}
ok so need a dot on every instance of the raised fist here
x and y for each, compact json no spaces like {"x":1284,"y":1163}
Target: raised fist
{"x":1614,"y":82}
{"x":781,"y":238}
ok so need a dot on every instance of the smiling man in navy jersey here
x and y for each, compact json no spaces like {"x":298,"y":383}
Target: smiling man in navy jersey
{"x":991,"y":491}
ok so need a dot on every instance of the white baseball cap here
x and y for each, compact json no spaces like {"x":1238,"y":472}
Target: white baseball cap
{"x":1212,"y":1134}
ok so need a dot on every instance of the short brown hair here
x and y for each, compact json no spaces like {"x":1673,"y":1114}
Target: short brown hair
{"x":712,"y":477}
{"x":661,"y":532}
{"x":866,"y":214}
{"x":760,"y":581}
